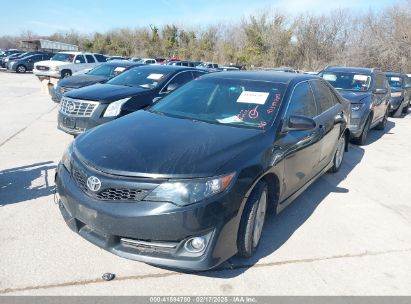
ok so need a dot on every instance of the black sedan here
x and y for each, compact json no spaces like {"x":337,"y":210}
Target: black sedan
{"x":187,"y":183}
{"x":100,"y":74}
{"x":134,"y":89}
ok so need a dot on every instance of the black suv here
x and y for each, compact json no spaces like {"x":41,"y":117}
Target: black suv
{"x":26,"y":63}
{"x":188,"y":182}
{"x":369,"y":94}
{"x":132,"y":90}
{"x":400,"y":93}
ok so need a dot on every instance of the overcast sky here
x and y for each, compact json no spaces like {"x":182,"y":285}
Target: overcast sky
{"x":47,"y":17}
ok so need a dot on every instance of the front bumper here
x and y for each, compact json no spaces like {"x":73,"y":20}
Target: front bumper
{"x":357,"y":123}
{"x":49,"y":73}
{"x":108,"y":224}
{"x":77,"y":125}
{"x":396,"y":102}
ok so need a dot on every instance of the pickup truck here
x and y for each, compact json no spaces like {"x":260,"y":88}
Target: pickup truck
{"x":64,"y":64}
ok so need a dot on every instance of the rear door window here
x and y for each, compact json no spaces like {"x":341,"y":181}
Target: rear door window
{"x":302,"y":101}
{"x":323,"y":95}
{"x":100,"y":58}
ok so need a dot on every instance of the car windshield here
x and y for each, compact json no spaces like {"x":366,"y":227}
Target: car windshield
{"x":106,"y":70}
{"x":241,"y":103}
{"x":348,"y":81}
{"x":63,"y":57}
{"x":395,"y":81}
{"x":144,"y":78}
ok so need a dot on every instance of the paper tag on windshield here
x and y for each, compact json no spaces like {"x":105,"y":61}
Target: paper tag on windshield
{"x":395,"y":79}
{"x":119,"y":69}
{"x":330,"y":77}
{"x":361,"y":77}
{"x":230,"y":119}
{"x":253,"y":97}
{"x":155,"y":76}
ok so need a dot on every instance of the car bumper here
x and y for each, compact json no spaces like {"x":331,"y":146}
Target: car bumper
{"x":113,"y":225}
{"x":77,"y":125}
{"x":357,"y":125}
{"x":54,"y":74}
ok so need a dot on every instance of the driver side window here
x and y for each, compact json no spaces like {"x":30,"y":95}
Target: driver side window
{"x":80,"y":58}
{"x":178,"y":81}
{"x":302,"y":101}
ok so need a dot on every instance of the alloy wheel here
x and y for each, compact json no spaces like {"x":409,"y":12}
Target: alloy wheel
{"x":340,"y":152}
{"x":259,"y":218}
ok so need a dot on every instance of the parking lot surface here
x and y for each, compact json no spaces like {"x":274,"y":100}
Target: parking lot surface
{"x":348,"y":234}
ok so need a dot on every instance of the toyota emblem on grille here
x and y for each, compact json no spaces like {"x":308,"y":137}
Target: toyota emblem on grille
{"x":93,"y":183}
{"x":70,"y":106}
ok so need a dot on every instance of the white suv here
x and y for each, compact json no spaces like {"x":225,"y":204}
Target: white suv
{"x":64,"y":64}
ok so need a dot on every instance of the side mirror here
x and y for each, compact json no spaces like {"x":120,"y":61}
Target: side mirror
{"x":299,"y":123}
{"x":77,"y":61}
{"x":156,"y":99}
{"x":380,"y":91}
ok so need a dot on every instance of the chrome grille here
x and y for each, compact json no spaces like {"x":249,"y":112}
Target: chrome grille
{"x":77,"y":108}
{"x":42,"y":68}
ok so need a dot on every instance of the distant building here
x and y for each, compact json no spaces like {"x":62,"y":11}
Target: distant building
{"x":47,"y":45}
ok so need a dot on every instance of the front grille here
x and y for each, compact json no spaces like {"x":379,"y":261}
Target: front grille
{"x":109,"y":194}
{"x":122,"y":194}
{"x":42,"y":68}
{"x":77,"y":108}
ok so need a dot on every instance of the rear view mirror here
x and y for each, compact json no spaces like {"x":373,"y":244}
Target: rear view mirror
{"x":300,"y":123}
{"x":380,"y":91}
{"x":77,"y":61}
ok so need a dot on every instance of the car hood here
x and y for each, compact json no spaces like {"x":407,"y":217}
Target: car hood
{"x":354,"y":97}
{"x":145,"y":144}
{"x":105,"y":93}
{"x":80,"y":81}
{"x":51,"y":63}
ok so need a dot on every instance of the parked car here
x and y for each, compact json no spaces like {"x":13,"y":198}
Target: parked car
{"x":160,"y":60}
{"x":147,"y":61}
{"x":282,"y":69}
{"x":115,"y":58}
{"x":5,"y":59}
{"x":134,"y":89}
{"x":64,"y":64}
{"x":187,"y":183}
{"x":369,"y":94}
{"x":8,"y":52}
{"x":99,"y":74}
{"x":208,"y":65}
{"x":400,"y":93}
{"x":183,"y":63}
{"x":24,"y":64}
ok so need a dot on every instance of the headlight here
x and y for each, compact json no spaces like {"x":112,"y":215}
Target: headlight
{"x":187,"y":192}
{"x":66,"y":159}
{"x":114,"y":108}
{"x":396,"y":94}
{"x":356,"y":106}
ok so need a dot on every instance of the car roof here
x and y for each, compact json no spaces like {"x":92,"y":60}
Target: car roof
{"x":268,"y":76}
{"x":360,"y":70}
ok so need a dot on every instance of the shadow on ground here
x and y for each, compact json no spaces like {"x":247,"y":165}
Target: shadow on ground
{"x":26,"y":183}
{"x":375,"y":135}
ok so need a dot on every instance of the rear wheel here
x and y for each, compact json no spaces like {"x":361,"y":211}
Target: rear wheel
{"x":339,"y":155}
{"x":252,"y":221}
{"x":21,"y":69}
{"x":363,"y":137}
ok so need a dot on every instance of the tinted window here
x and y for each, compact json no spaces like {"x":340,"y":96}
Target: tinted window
{"x":348,"y":80}
{"x":380,"y":81}
{"x":90,"y":59}
{"x":198,"y":74}
{"x":395,"y":81}
{"x":236,"y":102}
{"x":144,"y":78}
{"x":106,"y":70}
{"x":302,"y":101}
{"x":100,"y":58}
{"x":80,"y":58}
{"x":325,"y":98}
{"x":179,"y":80}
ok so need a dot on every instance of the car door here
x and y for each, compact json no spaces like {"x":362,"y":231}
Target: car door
{"x":32,"y":61}
{"x":301,"y":147}
{"x":381,"y":98}
{"x":79,"y":63}
{"x":91,"y":61}
{"x":329,"y":120}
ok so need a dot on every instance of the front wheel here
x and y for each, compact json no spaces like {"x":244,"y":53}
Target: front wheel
{"x":252,"y":221}
{"x":405,"y":110}
{"x":339,"y":155}
{"x":21,"y":69}
{"x":383,"y":123}
{"x":363,"y":137}
{"x":65,"y":73}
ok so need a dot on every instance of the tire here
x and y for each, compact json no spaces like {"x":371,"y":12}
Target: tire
{"x":363,"y":137}
{"x":65,"y":73}
{"x":405,"y":110}
{"x":383,"y":123}
{"x":339,"y":155}
{"x":21,"y":69}
{"x":253,"y":218}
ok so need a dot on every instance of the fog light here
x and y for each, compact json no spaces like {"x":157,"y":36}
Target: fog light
{"x":196,"y":244}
